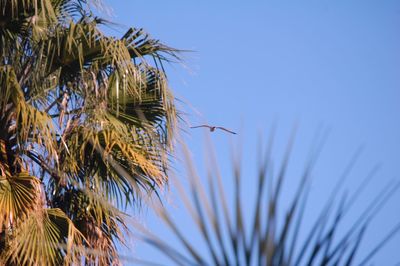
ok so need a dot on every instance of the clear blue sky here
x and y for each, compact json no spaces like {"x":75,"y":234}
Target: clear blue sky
{"x":330,"y":63}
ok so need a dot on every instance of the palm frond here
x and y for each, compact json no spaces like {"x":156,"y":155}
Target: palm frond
{"x":39,"y":240}
{"x":267,"y":240}
{"x":19,"y":196}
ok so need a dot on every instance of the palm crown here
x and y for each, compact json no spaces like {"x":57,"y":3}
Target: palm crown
{"x":86,"y":126}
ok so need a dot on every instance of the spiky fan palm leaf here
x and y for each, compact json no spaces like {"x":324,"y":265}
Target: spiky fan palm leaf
{"x":86,"y":127}
{"x":266,"y":240}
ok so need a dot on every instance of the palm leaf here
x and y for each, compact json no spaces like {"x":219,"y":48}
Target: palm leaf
{"x":39,"y":240}
{"x":19,"y":196}
{"x":268,"y":240}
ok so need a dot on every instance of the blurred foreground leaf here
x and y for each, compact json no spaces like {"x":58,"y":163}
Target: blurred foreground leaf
{"x":272,"y":233}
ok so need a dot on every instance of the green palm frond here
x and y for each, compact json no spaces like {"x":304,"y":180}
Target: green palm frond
{"x":19,"y":196}
{"x":17,"y":16}
{"x":97,"y":219}
{"x":47,"y":237}
{"x":233,"y":236}
{"x":111,"y":150}
{"x":28,"y":123}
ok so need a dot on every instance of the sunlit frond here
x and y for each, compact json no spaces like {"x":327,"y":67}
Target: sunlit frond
{"x":98,"y":220}
{"x":30,"y":124}
{"x":19,"y":196}
{"x":46,"y":237}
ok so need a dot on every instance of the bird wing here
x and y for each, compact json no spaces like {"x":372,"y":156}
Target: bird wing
{"x":227,"y":130}
{"x":201,"y":126}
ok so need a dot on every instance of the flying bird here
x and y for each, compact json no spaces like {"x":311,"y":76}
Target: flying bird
{"x":213,"y":128}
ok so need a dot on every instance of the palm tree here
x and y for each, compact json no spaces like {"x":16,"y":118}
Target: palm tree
{"x":269,"y":234}
{"x":86,"y":129}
